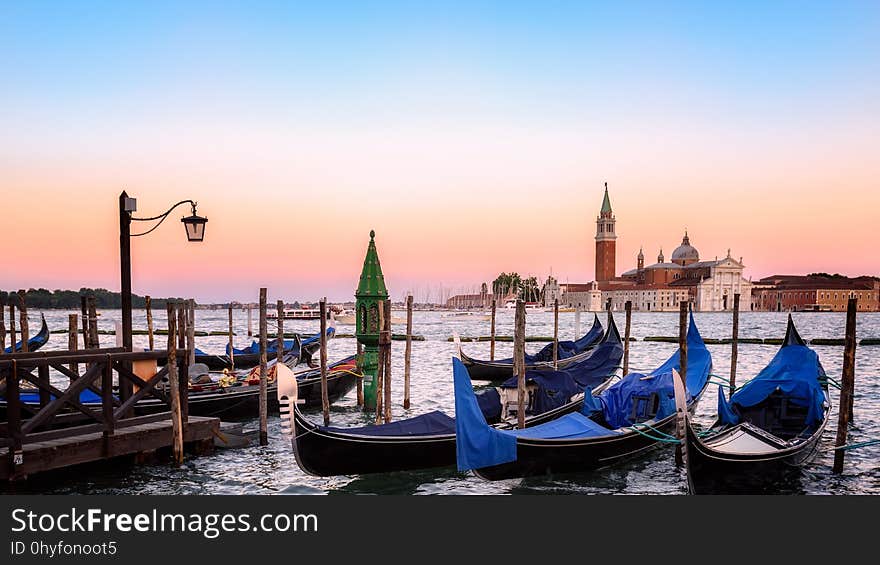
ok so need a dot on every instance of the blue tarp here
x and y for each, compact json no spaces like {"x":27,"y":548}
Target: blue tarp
{"x":572,"y":425}
{"x":619,"y":399}
{"x":555,"y":388}
{"x":795,"y":371}
{"x":479,"y":445}
{"x":432,"y":423}
{"x":34,"y":397}
{"x":476,"y":443}
{"x":490,"y":404}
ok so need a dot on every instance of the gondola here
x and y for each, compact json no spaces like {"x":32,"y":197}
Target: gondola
{"x":238,"y":401}
{"x":570,"y":352}
{"x":35,"y":342}
{"x":769,"y":428}
{"x":626,"y":420}
{"x":249,"y":357}
{"x":428,"y":440}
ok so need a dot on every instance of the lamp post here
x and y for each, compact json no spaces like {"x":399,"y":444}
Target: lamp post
{"x":195,"y":231}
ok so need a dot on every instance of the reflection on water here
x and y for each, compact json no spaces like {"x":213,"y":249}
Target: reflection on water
{"x":273,"y":470}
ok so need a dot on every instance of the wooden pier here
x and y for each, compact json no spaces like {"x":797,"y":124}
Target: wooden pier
{"x":58,"y":430}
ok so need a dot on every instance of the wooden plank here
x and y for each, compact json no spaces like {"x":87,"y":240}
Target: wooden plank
{"x":68,"y":397}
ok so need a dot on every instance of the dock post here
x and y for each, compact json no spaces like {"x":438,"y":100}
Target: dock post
{"x":191,"y":331}
{"x":407,"y":354}
{"x":628,"y":306}
{"x":734,"y":343}
{"x":250,"y":322}
{"x":387,"y":339}
{"x":555,"y":333}
{"x":325,"y":399}
{"x":280,"y":331}
{"x":149,"y":307}
{"x":3,"y":323}
{"x":264,"y":396}
{"x":683,"y":355}
{"x":22,"y":314}
{"x":847,"y":386}
{"x":107,"y":406}
{"x":72,"y":342}
{"x":174,"y":382}
{"x":83,"y":310}
{"x":181,"y":325}
{"x":360,"y":380}
{"x":231,"y":350}
{"x":13,"y":418}
{"x":492,"y":334}
{"x":519,"y":362}
{"x":12,"y":321}
{"x":94,"y":340}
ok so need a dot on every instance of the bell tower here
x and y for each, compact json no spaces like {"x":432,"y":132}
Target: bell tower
{"x":605,"y":241}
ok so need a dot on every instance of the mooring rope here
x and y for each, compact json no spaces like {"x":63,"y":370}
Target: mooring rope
{"x":660,"y":439}
{"x":857,"y":445}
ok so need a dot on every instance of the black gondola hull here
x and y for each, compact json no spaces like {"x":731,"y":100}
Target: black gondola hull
{"x":547,"y":457}
{"x":496,"y":372}
{"x":714,"y":472}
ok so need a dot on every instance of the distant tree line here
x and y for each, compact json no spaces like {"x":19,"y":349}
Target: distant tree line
{"x":839,"y":276}
{"x":512,"y":283}
{"x":70,"y":299}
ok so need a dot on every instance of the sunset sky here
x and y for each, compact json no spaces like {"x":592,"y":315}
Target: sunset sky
{"x":474,"y":137}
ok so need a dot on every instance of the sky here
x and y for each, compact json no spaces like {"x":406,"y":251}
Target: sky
{"x":474,"y":137}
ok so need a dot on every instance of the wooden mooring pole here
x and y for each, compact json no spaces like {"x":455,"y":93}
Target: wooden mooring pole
{"x":250,"y":322}
{"x":264,"y":393}
{"x":734,"y":343}
{"x":12,"y":301}
{"x":22,"y":313}
{"x":556,"y":333}
{"x":387,"y":340}
{"x":149,"y":306}
{"x":94,"y":341}
{"x":83,"y":310}
{"x":280,"y":334}
{"x":519,"y":362}
{"x":325,"y":398}
{"x":231,"y":342}
{"x":407,"y":354}
{"x":191,"y":331}
{"x":847,"y":385}
{"x":174,"y":384}
{"x":72,"y":344}
{"x":3,"y":323}
{"x":492,"y":339}
{"x":683,"y":355}
{"x":628,"y":307}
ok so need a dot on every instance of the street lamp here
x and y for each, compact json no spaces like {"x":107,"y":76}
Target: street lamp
{"x":195,"y":231}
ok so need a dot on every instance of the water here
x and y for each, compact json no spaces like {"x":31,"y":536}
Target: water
{"x":273,"y":470}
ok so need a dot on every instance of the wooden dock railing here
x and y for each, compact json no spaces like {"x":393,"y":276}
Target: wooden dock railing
{"x":60,"y":413}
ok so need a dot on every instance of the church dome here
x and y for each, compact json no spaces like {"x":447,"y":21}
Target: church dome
{"x":685,"y":253}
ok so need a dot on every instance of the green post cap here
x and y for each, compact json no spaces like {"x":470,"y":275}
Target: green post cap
{"x":372,"y":283}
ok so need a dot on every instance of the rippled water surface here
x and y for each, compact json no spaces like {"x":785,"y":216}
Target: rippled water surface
{"x":272,"y":469}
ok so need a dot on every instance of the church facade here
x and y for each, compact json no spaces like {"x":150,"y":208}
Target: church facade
{"x":709,"y":286}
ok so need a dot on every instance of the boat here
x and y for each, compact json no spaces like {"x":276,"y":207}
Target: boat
{"x":35,"y":342}
{"x":768,"y":429}
{"x":236,"y":396}
{"x":570,"y":352}
{"x":428,"y":440}
{"x":249,"y":356}
{"x":466,"y":315}
{"x":296,"y":314}
{"x":626,"y":420}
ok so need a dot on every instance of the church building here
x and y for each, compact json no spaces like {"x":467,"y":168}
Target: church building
{"x":709,"y":285}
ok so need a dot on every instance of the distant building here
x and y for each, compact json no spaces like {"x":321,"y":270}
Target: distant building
{"x":828,"y":293}
{"x":471,"y":301}
{"x":709,"y":285}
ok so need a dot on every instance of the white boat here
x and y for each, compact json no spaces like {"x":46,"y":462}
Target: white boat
{"x":296,"y":314}
{"x":466,"y":316}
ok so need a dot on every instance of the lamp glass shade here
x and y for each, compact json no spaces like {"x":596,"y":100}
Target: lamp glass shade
{"x":195,"y":227}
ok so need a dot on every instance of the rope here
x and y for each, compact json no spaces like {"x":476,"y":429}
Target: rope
{"x":857,"y":445}
{"x":660,"y":439}
{"x":656,"y":431}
